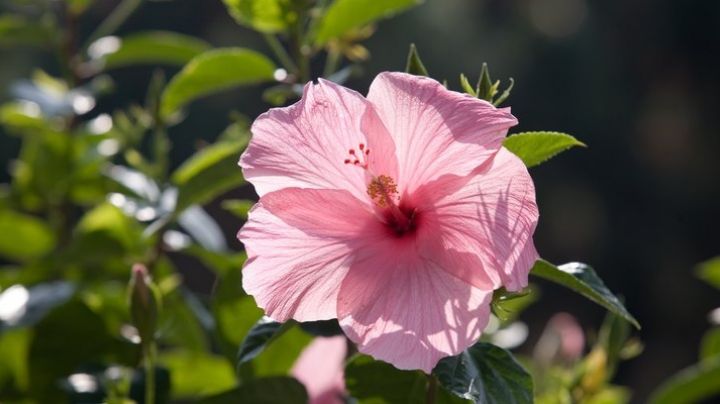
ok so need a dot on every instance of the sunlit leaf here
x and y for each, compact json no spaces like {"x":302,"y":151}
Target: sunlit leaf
{"x":709,"y":271}
{"x":238,"y":207}
{"x":534,"y":148}
{"x":207,"y":174}
{"x":486,"y":373}
{"x":582,"y":279}
{"x":24,"y":237}
{"x":345,"y":15}
{"x":269,"y":16}
{"x":691,"y":385}
{"x":197,"y":374}
{"x":18,"y":30}
{"x":710,"y":345}
{"x":213,"y":71}
{"x":152,"y":47}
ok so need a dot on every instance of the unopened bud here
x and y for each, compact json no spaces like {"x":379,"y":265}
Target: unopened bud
{"x":144,"y":303}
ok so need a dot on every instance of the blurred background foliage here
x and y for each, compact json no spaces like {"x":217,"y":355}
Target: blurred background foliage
{"x":110,"y":162}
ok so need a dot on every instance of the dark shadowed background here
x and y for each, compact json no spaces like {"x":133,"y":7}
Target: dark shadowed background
{"x":635,"y":80}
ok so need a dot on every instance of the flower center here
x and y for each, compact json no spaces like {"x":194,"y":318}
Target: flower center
{"x":383,"y":191}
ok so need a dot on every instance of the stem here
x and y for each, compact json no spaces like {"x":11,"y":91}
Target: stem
{"x":297,"y":40}
{"x":116,"y":18}
{"x":150,"y":352}
{"x":431,"y":390}
{"x":281,"y":53}
{"x":331,"y":63}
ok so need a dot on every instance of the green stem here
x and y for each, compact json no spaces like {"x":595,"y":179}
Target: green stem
{"x":116,"y":18}
{"x":150,"y":353}
{"x":281,"y":53}
{"x":431,"y":390}
{"x":332,"y":62}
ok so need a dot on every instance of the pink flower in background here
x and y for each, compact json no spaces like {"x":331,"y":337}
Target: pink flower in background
{"x":398,"y":214}
{"x":320,"y":368}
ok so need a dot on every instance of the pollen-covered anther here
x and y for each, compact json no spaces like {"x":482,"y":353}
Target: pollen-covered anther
{"x":383,"y":190}
{"x":358,"y":159}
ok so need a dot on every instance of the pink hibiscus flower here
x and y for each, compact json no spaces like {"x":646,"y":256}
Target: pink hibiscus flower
{"x":398,"y":214}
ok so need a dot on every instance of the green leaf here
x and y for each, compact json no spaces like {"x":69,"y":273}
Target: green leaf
{"x":197,"y":374}
{"x":345,"y":15}
{"x":414,"y":65}
{"x":236,"y":317}
{"x":486,"y":373}
{"x":534,"y":148}
{"x":209,"y":173}
{"x":13,"y":366}
{"x":273,"y":347}
{"x":267,"y":390}
{"x":691,"y":385}
{"x":507,"y":306}
{"x":582,"y":279}
{"x":213,"y":71}
{"x":377,"y":382}
{"x":485,"y":89}
{"x":152,"y":47}
{"x":260,"y":335}
{"x":709,"y":271}
{"x":17,"y":30}
{"x":268,"y":16}
{"x":24,"y":237}
{"x":465,"y":84}
{"x":710,"y":345}
{"x":238,"y":207}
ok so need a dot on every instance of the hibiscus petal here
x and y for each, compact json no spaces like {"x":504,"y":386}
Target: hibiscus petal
{"x":436,"y":131}
{"x":320,"y":368}
{"x":491,"y":214}
{"x":407,"y":311}
{"x":306,"y":144}
{"x":299,"y":243}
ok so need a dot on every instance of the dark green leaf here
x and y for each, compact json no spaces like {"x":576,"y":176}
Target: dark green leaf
{"x":371,"y":381}
{"x":709,"y":271}
{"x":484,"y":88}
{"x":213,"y":71}
{"x":267,"y":390}
{"x":207,"y":174}
{"x":268,"y":16}
{"x":612,"y":338}
{"x":345,"y":15}
{"x":486,"y":373}
{"x":281,"y":353}
{"x":534,"y":148}
{"x":414,"y":65}
{"x":197,"y":374}
{"x":152,"y":47}
{"x":323,"y":328}
{"x":24,"y":237}
{"x":70,"y":336}
{"x":691,"y":385}
{"x":262,"y":333}
{"x":582,"y":279}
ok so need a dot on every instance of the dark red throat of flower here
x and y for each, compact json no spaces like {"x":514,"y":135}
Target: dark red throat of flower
{"x":383,"y":191}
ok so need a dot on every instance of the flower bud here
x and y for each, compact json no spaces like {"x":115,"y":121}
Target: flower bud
{"x":144,"y":301}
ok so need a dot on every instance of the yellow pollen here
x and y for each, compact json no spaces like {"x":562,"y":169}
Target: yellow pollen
{"x":383,"y":190}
